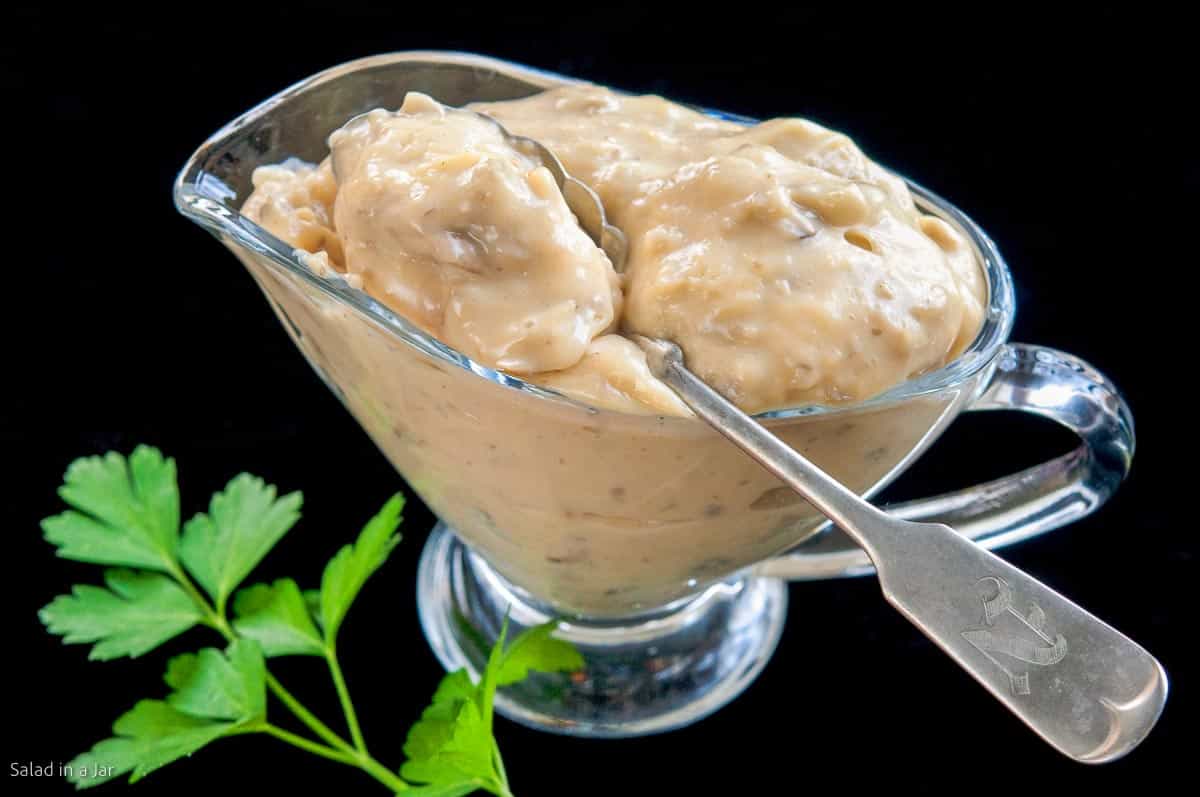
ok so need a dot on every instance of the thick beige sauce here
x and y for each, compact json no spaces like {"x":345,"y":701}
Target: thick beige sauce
{"x":789,"y":267}
{"x":446,"y":223}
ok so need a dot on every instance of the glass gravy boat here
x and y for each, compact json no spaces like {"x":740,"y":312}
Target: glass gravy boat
{"x":663,"y":545}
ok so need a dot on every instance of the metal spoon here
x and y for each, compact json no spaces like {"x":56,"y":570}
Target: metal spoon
{"x":1087,"y":689}
{"x":1084,"y":687}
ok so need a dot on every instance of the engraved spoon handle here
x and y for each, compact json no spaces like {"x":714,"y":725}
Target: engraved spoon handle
{"x":1084,"y":687}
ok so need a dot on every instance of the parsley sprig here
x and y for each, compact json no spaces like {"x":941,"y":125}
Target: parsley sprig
{"x":167,"y":579}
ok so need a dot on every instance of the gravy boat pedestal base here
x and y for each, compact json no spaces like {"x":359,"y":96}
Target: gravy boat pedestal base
{"x":645,"y":674}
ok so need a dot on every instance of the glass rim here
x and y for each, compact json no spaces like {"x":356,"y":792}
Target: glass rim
{"x":203,"y":201}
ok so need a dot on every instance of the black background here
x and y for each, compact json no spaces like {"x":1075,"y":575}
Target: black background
{"x":1066,"y":137}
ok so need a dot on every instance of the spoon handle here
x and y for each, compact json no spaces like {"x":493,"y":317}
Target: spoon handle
{"x":1088,"y":690}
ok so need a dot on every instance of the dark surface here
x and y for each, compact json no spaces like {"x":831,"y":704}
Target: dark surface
{"x":122,"y":323}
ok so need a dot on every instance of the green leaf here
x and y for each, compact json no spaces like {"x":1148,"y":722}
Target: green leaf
{"x":147,"y":737}
{"x":436,"y":726}
{"x":433,"y":731}
{"x":137,"y":613}
{"x":350,"y":568}
{"x":537,"y":650}
{"x":451,"y":748}
{"x":455,"y":686}
{"x":221,"y":686}
{"x":277,"y":617}
{"x":215,"y":694}
{"x":243,"y":523}
{"x":450,"y":745}
{"x":312,"y":601}
{"x":124,"y":512}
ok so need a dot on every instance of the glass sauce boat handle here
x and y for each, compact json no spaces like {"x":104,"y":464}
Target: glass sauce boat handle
{"x":1033,"y":379}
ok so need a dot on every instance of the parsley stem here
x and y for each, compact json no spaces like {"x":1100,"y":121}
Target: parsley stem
{"x":339,"y":682}
{"x":213,"y":619}
{"x":382,"y":773}
{"x":308,"y":745}
{"x":216,"y":620}
{"x":499,"y":764}
{"x":365,"y":763}
{"x":306,"y":716}
{"x":359,"y":758}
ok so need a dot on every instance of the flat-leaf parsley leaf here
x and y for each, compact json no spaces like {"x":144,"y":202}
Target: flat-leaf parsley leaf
{"x":137,"y":613}
{"x":126,"y":512}
{"x":215,"y":694}
{"x":243,"y":522}
{"x":350,"y":568}
{"x":452,"y":744}
{"x":279,"y":618}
